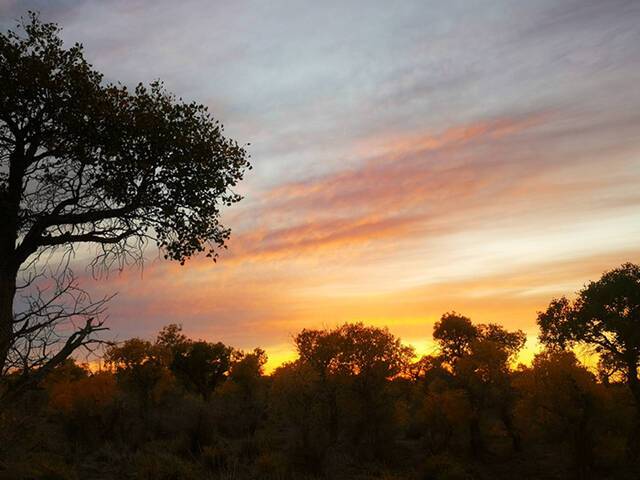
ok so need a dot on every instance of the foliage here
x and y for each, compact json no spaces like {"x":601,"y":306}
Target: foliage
{"x":202,"y":366}
{"x":606,"y":317}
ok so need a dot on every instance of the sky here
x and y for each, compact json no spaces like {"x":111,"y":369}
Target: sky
{"x":409,"y":157}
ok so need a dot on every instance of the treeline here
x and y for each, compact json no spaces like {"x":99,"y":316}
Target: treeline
{"x":356,"y":403}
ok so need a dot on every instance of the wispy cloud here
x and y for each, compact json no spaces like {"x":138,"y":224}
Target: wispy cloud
{"x":410,"y":158}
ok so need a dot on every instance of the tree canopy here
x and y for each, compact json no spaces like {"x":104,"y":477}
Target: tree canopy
{"x":86,"y":161}
{"x":606,"y":317}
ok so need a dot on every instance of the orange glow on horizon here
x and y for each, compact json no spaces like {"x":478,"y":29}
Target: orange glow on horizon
{"x":420,"y":223}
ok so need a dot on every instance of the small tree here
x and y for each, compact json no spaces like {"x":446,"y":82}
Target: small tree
{"x":140,"y":367}
{"x":562,"y":397}
{"x":454,"y":333}
{"x":202,"y":366}
{"x":241,"y":399}
{"x":606,"y":317}
{"x":85,"y":162}
{"x":479,"y":357}
{"x":352,"y":365}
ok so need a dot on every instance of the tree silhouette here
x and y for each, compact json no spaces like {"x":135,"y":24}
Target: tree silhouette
{"x":564,"y":399}
{"x":346,"y":371}
{"x":82,"y":161}
{"x":479,"y":357}
{"x":140,"y":367}
{"x":454,"y":333}
{"x":202,"y":366}
{"x":605,"y":316}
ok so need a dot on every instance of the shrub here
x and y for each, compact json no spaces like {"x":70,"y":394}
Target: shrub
{"x":443,"y":467}
{"x":163,"y":466}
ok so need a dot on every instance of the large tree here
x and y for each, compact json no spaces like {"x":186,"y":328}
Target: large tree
{"x":605,"y":316}
{"x":88,"y":162}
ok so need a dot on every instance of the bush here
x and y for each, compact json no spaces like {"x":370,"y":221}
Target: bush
{"x":271,"y":464}
{"x":443,"y":467}
{"x":163,"y":466}
{"x":40,"y":467}
{"x":216,"y":457}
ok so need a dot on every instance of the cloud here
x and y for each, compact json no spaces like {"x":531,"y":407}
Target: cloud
{"x":408,"y":159}
{"x":424,"y":185}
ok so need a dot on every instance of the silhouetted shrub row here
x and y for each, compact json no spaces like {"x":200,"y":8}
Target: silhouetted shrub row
{"x":355,"y":404}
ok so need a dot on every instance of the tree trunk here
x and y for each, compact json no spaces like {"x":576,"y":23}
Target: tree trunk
{"x":9,"y":263}
{"x":583,"y":444}
{"x":7,"y":292}
{"x":475,"y":436}
{"x":507,"y":421}
{"x":633,"y":442}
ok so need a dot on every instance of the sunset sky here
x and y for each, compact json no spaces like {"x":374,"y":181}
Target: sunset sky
{"x":410,"y":157}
